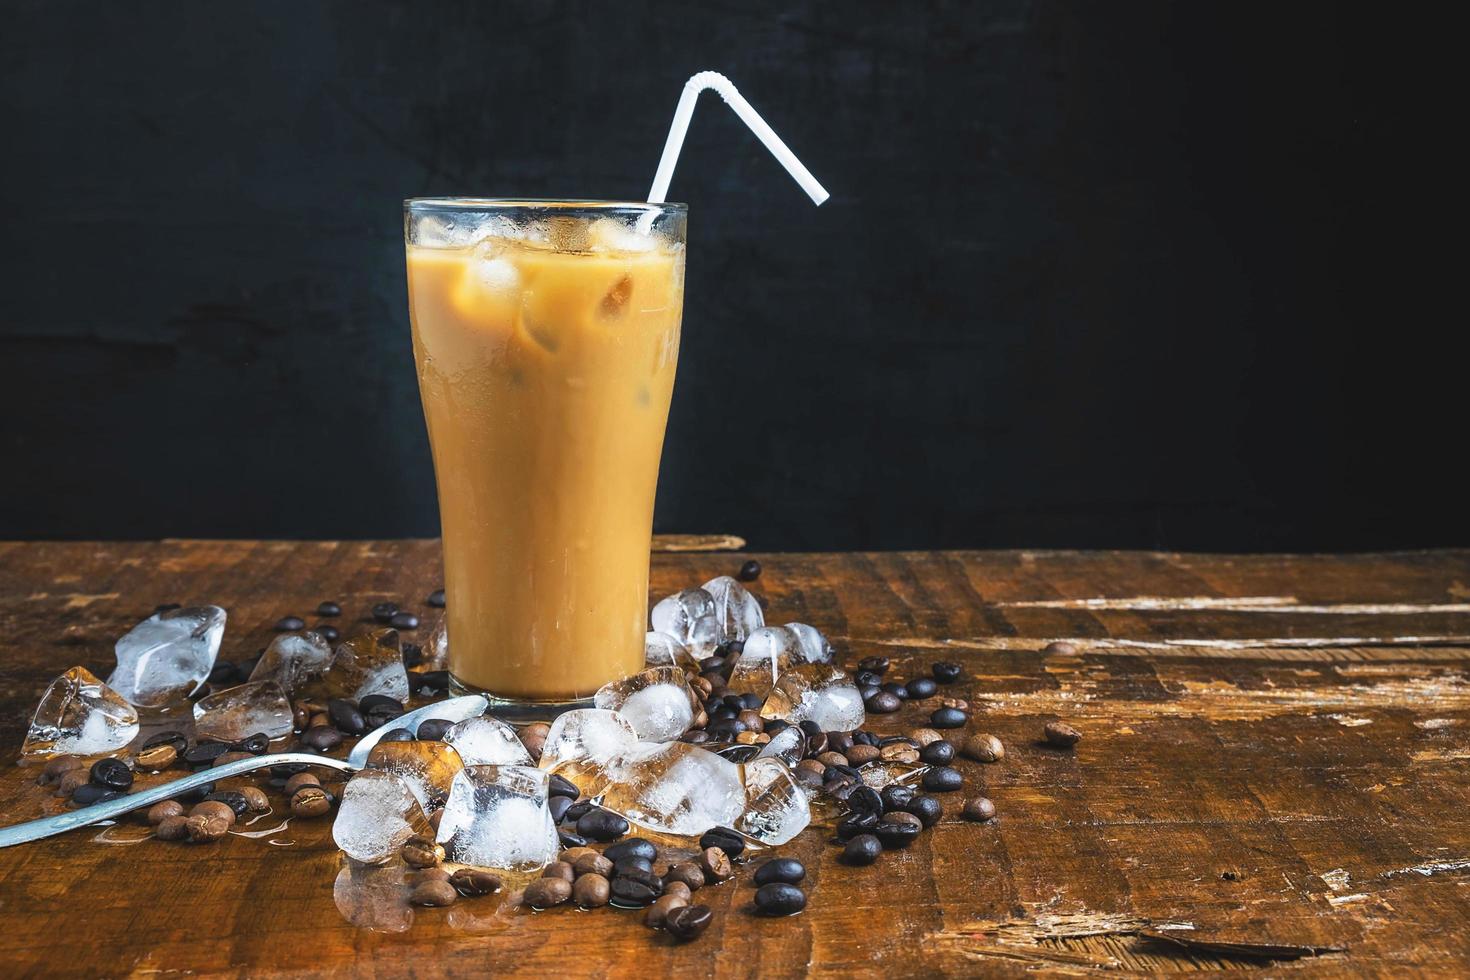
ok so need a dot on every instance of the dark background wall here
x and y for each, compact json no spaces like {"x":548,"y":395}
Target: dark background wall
{"x":1092,"y":274}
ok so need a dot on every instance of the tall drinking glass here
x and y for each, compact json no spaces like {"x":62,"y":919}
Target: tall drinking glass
{"x":546,"y":335}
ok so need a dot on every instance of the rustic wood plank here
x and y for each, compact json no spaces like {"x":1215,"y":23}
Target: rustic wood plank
{"x":1274,"y":772}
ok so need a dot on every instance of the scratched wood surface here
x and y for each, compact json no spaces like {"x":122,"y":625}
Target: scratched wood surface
{"x":1274,"y":775}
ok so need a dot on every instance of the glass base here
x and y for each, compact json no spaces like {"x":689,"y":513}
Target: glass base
{"x":518,"y":711}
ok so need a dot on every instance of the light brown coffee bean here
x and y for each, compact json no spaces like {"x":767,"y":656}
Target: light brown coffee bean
{"x":832,"y":759}
{"x":752,"y":720}
{"x":1059,"y":648}
{"x":421,"y":852}
{"x":159,"y":812}
{"x":861,"y":755}
{"x":172,"y":828}
{"x":959,"y":704}
{"x":533,"y":737}
{"x":701,"y":720}
{"x":899,"y":752}
{"x":983,"y":747}
{"x":431,"y":874}
{"x":574,"y":854}
{"x":1061,"y":735}
{"x":715,"y":864}
{"x":214,"y":808}
{"x":311,"y":801}
{"x":543,"y":893}
{"x":687,"y":873}
{"x":701,"y":687}
{"x":300,"y":716}
{"x":256,"y":799}
{"x":654,"y":917}
{"x":678,"y":888}
{"x":592,"y":864}
{"x":472,"y":882}
{"x":924,"y":736}
{"x":591,"y":891}
{"x":299,"y":780}
{"x":559,"y":869}
{"x":434,"y":894}
{"x":156,"y":757}
{"x":61,"y":765}
{"x":70,"y":780}
{"x":901,"y":817}
{"x":979,"y":809}
{"x":745,"y":738}
{"x":811,"y":766}
{"x":205,"y":828}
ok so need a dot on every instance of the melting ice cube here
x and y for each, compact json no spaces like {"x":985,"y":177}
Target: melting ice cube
{"x":820,"y":693}
{"x":497,"y":817}
{"x":248,"y":709}
{"x":79,"y":715}
{"x":736,"y":611}
{"x":788,"y":745}
{"x":776,"y":806}
{"x":486,"y":741}
{"x":663,"y":650}
{"x":374,"y":898}
{"x":676,"y":788}
{"x":426,"y":768}
{"x":378,"y":813}
{"x":814,"y":646}
{"x":436,"y":647}
{"x":768,"y":652}
{"x":371,"y":663}
{"x":293,"y":659}
{"x":657,"y":702}
{"x":675,"y":614}
{"x":168,"y":656}
{"x":585,"y":745}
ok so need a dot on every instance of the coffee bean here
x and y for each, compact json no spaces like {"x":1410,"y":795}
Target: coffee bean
{"x":865,"y":799}
{"x":300,"y":779}
{"x":533,"y":737}
{"x":214,"y":808}
{"x":175,"y":827}
{"x":832,"y":759}
{"x":203,"y":828}
{"x":285,"y":770}
{"x":678,"y":888}
{"x":865,"y":738}
{"x":311,"y":801}
{"x":429,"y":681}
{"x":255,"y":799}
{"x":195,"y":795}
{"x":894,"y":834}
{"x":257,"y":744}
{"x":52,"y":772}
{"x":922,"y":687}
{"x":855,"y":824}
{"x":834,"y":772}
{"x":328,"y":608}
{"x":923,"y":737}
{"x":384,"y":612}
{"x":591,"y":891}
{"x":562,"y":786}
{"x":688,"y":922}
{"x":937,"y":754}
{"x":433,"y":729}
{"x":927,"y":808}
{"x":867,"y":678}
{"x":1059,"y":648}
{"x":322,"y":738}
{"x":715,"y":864}
{"x":659,"y":910}
{"x":559,"y":869}
{"x":422,"y":852}
{"x":983,"y":748}
{"x":592,"y":864}
{"x":436,"y":599}
{"x":472,"y":882}
{"x":883,"y":703}
{"x":88,"y":793}
{"x":725,"y":839}
{"x":155,"y":758}
{"x":750,"y":571}
{"x":328,"y":633}
{"x":816,"y":745}
{"x":378,"y":702}
{"x":111,"y":773}
{"x":861,"y":755}
{"x":752,"y":721}
{"x":631,"y":866}
{"x":862,"y":850}
{"x":1061,"y":735}
{"x":948,"y":718}
{"x":289,"y":624}
{"x":779,"y":898}
{"x":902,"y":817}
{"x":404,"y":621}
{"x":899,"y":752}
{"x":428,"y":874}
{"x":686,"y":873}
{"x":601,"y":825}
{"x":878,"y":665}
{"x":222,"y":674}
{"x":979,"y":809}
{"x":397,"y":735}
{"x":635,"y":891}
{"x":575,"y":809}
{"x":559,"y":806}
{"x":234,"y":799}
{"x":159,"y":812}
{"x":569,"y":839}
{"x":433,"y":894}
{"x":945,"y":672}
{"x":897,"y":689}
{"x":788,"y":870}
{"x":897,"y":796}
{"x":942,"y":779}
{"x":202,"y":756}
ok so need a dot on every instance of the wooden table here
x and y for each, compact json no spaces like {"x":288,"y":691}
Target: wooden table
{"x":1274,"y":772}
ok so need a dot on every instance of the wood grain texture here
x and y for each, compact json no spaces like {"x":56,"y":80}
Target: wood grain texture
{"x":1274,"y":774}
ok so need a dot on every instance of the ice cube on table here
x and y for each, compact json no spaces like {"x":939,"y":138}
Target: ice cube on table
{"x":294,"y":659}
{"x":736,"y":612}
{"x":377,"y":814}
{"x":372,"y":898}
{"x":768,"y":652}
{"x":776,"y":806}
{"x":247,"y":709}
{"x":657,"y":702}
{"x":676,"y":788}
{"x":426,"y":768}
{"x":486,"y":741}
{"x":819,"y":693}
{"x":80,"y":715}
{"x":585,"y":744}
{"x":370,"y":663}
{"x":814,"y":648}
{"x":663,"y":650}
{"x":677,"y":614}
{"x":788,"y":745}
{"x":704,"y":637}
{"x":436,"y":647}
{"x":497,"y":817}
{"x":167,"y":656}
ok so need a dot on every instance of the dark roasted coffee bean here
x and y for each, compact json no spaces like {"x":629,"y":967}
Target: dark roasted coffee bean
{"x":866,"y":691}
{"x":433,"y":729}
{"x":864,"y":738}
{"x":397,"y":735}
{"x":734,"y":702}
{"x":413,"y":654}
{"x":897,"y":796}
{"x":723,"y":712}
{"x":779,"y":898}
{"x":601,"y":825}
{"x":436,"y":599}
{"x":945,"y":672}
{"x":222,"y":674}
{"x":383,"y":612}
{"x":948,"y":718}
{"x":631,"y":866}
{"x":897,"y":689}
{"x":285,"y":770}
{"x":288,"y":624}
{"x":926,"y":808}
{"x":203,"y":754}
{"x":322,"y":738}
{"x":857,"y":823}
{"x":688,"y":922}
{"x":328,"y":608}
{"x":562,"y":786}
{"x":346,"y":716}
{"x":576,"y":808}
{"x":633,"y":847}
{"x":878,"y":665}
{"x":176,"y":739}
{"x":375,"y":702}
{"x":433,"y":894}
{"x":751,"y":702}
{"x":921,"y":687}
{"x":381,"y":717}
{"x":257,"y":744}
{"x":942,"y":779}
{"x":195,"y":795}
{"x":1061,"y":735}
{"x":327,"y":632}
{"x":775,"y":726}
{"x":311,"y":801}
{"x":867,"y":678}
{"x":723,"y":729}
{"x":883,"y":703}
{"x":725,"y":839}
{"x":788,"y":870}
{"x":404,"y":621}
{"x":979,"y":809}
{"x":733,"y":649}
{"x":833,"y":772}
{"x":569,"y":839}
{"x":894,"y":834}
{"x":939,"y":753}
{"x":750,"y":571}
{"x":432,"y":681}
{"x":865,"y":799}
{"x":836,"y":741}
{"x":89,"y":793}
{"x":111,"y":773}
{"x":234,"y":799}
{"x":811,"y":728}
{"x":559,"y":806}
{"x":862,"y":850}
{"x":473,"y":882}
{"x":637,"y":888}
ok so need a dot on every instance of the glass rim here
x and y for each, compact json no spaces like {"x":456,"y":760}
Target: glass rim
{"x":534,"y":204}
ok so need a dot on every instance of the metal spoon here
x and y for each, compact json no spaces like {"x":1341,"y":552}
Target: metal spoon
{"x":452,"y":709}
